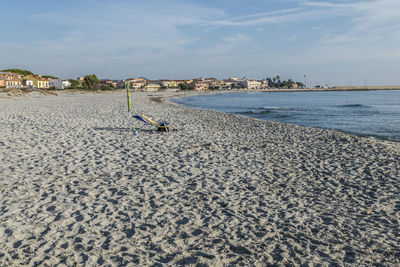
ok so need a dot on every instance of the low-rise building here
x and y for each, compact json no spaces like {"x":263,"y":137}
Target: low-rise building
{"x":13,"y":83}
{"x":264,"y":84}
{"x":217,"y":84}
{"x":43,"y":83}
{"x":228,"y":84}
{"x":167,"y":83}
{"x":199,"y":85}
{"x":27,"y":83}
{"x":135,"y":83}
{"x":210,"y":80}
{"x":250,"y":84}
{"x":10,"y":75}
{"x":57,"y":83}
{"x":80,"y":80}
{"x":176,"y":83}
{"x":138,"y":84}
{"x":38,"y":81}
{"x":134,"y":80}
{"x":10,"y":80}
{"x":235,"y":83}
{"x":152,"y":86}
{"x":108,"y":83}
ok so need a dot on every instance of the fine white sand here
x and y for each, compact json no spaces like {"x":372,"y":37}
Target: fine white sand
{"x":78,"y":188}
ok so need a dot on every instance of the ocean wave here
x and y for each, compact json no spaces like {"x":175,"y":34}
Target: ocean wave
{"x":262,"y":111}
{"x":282,"y":116}
{"x":255,"y":112}
{"x":274,"y":108}
{"x":353,"y":106}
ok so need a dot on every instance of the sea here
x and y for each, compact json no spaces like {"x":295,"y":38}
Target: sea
{"x":366,"y":113}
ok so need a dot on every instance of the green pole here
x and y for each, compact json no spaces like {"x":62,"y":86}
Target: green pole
{"x":128,"y":93}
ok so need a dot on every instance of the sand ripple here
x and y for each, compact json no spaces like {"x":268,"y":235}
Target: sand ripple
{"x":77,"y":187}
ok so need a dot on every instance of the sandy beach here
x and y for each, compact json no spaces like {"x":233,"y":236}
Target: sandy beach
{"x":78,"y":188}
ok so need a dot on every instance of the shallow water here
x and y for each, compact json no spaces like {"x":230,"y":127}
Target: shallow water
{"x":369,"y":113}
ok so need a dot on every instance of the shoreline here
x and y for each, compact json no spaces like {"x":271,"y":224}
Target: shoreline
{"x":78,"y":187}
{"x":189,"y":93}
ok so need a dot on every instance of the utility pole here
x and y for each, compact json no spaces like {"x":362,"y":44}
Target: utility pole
{"x":305,"y":80}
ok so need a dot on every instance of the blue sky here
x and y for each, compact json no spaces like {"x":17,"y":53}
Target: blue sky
{"x":352,"y":42}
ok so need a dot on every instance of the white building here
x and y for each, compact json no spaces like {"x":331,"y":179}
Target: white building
{"x":152,"y":86}
{"x":137,"y":85}
{"x":27,"y":83}
{"x":59,"y":84}
{"x":251,"y":84}
{"x":166,"y":83}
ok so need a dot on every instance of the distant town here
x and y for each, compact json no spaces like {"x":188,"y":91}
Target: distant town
{"x":17,"y":78}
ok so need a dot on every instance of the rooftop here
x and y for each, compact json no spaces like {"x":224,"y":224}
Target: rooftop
{"x":9,"y":73}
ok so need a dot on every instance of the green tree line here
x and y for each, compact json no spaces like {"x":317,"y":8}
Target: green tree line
{"x":27,"y":72}
{"x":90,"y":82}
{"x":275,"y":82}
{"x":19,"y":71}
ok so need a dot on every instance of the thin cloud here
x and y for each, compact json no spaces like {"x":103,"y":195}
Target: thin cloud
{"x":127,"y":34}
{"x":370,"y":22}
{"x":327,"y":4}
{"x":259,"y":18}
